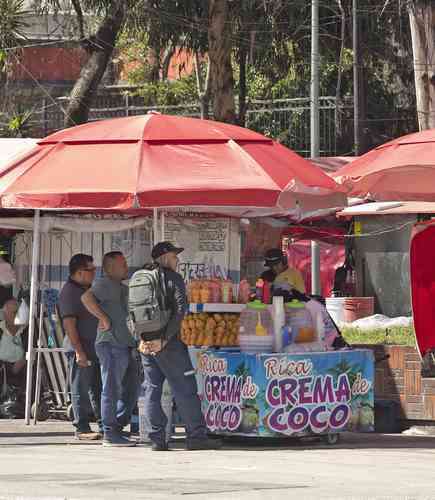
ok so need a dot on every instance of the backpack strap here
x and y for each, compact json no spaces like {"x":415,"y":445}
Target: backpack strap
{"x":164,"y":283}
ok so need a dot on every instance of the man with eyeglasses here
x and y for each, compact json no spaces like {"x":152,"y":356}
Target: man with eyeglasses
{"x":80,"y":327}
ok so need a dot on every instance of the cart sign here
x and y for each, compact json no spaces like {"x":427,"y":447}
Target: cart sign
{"x":292,"y":395}
{"x":211,"y":246}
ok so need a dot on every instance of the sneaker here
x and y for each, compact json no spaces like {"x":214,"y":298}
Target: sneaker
{"x":203,"y":444}
{"x":159,"y":447}
{"x":87,"y":436}
{"x":118,"y":442}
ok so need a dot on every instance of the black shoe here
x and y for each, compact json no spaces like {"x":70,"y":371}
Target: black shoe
{"x":204,"y":444}
{"x":159,"y":447}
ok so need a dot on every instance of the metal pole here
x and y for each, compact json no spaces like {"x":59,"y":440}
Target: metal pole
{"x":38,"y":364}
{"x":314,"y":97}
{"x":162,"y":221}
{"x":155,"y":226}
{"x":356,"y":79}
{"x":315,"y":130}
{"x":33,"y":296}
{"x":315,"y":268}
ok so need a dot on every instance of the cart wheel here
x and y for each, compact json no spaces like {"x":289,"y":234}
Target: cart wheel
{"x":331,"y":439}
{"x":70,"y":412}
{"x":43,"y":411}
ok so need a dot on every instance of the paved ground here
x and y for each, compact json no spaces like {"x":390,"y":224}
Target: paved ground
{"x":44,"y":462}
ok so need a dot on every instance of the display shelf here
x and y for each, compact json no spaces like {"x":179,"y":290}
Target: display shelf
{"x":217,"y":308}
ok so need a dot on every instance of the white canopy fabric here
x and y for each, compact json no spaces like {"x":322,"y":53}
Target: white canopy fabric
{"x":76,"y":224}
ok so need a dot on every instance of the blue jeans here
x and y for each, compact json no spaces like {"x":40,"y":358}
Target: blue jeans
{"x":130,"y":391}
{"x":114,"y":362}
{"x":85,"y":392}
{"x":173,"y":364}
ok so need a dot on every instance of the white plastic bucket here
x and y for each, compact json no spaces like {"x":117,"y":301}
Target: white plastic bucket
{"x":167,"y":410}
{"x":335,"y":307}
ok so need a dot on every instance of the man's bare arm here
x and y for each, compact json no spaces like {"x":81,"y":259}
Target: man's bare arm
{"x":91,"y":304}
{"x":70,"y":327}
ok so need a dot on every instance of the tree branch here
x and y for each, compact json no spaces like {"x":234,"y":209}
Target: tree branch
{"x":79,"y":13}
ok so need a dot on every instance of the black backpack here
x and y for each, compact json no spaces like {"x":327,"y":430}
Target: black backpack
{"x":148,"y":303}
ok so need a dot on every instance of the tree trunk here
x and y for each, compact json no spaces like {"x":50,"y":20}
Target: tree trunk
{"x":204,"y":88}
{"x":243,"y":55}
{"x":338,"y":100}
{"x":219,"y":51}
{"x":166,"y":60}
{"x":100,"y":48}
{"x":422,"y":21}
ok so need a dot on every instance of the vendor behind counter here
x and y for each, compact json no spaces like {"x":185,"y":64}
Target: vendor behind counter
{"x":279,"y":273}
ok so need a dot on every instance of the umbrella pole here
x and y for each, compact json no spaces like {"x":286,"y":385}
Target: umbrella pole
{"x":162,"y":222}
{"x":315,"y":268}
{"x":155,"y":226}
{"x":33,"y":292}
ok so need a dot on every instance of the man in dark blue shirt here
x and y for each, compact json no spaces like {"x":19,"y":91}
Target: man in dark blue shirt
{"x":80,"y":327}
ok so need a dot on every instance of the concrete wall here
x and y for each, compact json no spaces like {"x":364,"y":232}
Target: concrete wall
{"x":382,"y":262}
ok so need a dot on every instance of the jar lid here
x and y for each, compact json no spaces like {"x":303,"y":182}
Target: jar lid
{"x":295,"y":304}
{"x":256,"y":305}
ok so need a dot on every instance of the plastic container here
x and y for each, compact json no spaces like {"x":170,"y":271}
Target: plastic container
{"x":204,"y":293}
{"x":244,"y":292}
{"x":251,"y":344}
{"x":335,"y":307}
{"x":299,"y":319}
{"x":227,"y":292}
{"x":215,"y":292}
{"x":256,"y":329}
{"x":358,"y":307}
{"x":256,"y":320}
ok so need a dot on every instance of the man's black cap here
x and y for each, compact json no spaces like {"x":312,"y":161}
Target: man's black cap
{"x":164,"y":247}
{"x":273,"y":256}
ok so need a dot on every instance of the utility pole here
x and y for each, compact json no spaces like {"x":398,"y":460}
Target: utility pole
{"x":356,"y":80}
{"x":315,"y":130}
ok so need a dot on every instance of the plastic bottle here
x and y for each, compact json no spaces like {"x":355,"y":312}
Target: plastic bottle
{"x":259,"y":289}
{"x":244,"y":292}
{"x":266,"y":292}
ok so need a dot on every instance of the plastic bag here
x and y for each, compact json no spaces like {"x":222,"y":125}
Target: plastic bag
{"x":23,"y":314}
{"x":7,"y":274}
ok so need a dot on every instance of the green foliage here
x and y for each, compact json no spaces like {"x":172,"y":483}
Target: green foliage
{"x":397,"y":336}
{"x":12,"y":22}
{"x":169,"y":93}
{"x":15,"y":124}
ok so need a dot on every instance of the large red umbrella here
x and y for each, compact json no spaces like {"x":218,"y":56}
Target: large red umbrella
{"x":400,"y":170}
{"x":160,"y":161}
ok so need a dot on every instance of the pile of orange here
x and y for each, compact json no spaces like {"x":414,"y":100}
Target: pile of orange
{"x":220,"y":330}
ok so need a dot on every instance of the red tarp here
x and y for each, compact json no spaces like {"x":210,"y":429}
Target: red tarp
{"x":331,"y":257}
{"x":422,"y":266}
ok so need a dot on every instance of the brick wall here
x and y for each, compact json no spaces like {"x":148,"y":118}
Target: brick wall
{"x":399,"y":379}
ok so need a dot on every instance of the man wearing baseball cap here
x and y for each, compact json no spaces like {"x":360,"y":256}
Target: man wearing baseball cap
{"x":168,"y":358}
{"x":279,"y":273}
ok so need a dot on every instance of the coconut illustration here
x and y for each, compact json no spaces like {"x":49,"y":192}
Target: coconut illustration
{"x":250,"y":420}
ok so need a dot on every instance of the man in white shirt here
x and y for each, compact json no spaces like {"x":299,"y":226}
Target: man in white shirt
{"x":13,"y":345}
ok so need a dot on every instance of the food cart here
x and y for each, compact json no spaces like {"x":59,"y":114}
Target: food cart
{"x":283,"y":394}
{"x":277,"y":395}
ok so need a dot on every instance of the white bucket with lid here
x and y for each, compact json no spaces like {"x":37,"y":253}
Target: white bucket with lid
{"x":335,"y":307}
